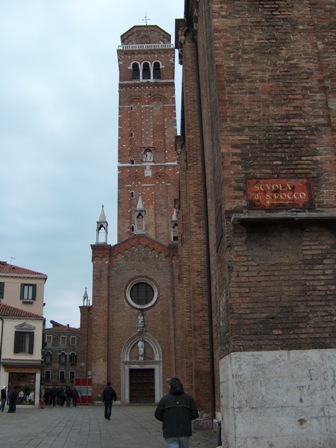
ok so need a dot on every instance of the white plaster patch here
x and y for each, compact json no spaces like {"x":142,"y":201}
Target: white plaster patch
{"x":279,"y":399}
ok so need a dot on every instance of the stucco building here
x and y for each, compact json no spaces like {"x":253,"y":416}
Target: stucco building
{"x":21,"y":321}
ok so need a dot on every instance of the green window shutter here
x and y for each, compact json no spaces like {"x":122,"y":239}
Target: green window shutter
{"x":34,"y":292}
{"x":31,"y":343}
{"x":17,"y":342}
{"x":2,"y":290}
{"x":22,"y":291}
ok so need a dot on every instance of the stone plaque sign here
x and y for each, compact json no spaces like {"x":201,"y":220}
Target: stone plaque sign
{"x":279,"y":193}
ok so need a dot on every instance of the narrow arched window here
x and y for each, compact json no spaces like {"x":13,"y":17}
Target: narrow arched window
{"x":157,"y":70}
{"x":146,"y":71}
{"x":135,"y":71}
{"x":62,"y":358}
{"x":73,"y":358}
{"x":48,"y":357}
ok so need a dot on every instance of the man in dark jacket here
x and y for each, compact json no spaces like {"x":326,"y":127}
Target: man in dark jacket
{"x":176,"y":410}
{"x":3,"y":398}
{"x":109,"y":395}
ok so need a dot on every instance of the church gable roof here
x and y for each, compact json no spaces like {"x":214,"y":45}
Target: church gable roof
{"x":145,"y":242}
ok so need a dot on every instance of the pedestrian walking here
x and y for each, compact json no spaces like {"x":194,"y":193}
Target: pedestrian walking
{"x":75,"y":397}
{"x":176,"y":410}
{"x":3,"y":398}
{"x":68,"y":396}
{"x":109,"y":395}
{"x":12,"y":398}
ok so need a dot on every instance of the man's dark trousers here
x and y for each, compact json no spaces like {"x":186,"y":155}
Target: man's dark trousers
{"x":108,"y":409}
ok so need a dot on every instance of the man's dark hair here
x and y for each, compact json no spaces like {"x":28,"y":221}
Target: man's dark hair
{"x":108,"y":383}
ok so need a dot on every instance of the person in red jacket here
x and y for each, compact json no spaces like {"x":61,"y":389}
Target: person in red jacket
{"x":176,"y":410}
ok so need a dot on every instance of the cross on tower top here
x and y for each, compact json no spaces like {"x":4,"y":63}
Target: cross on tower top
{"x":146,"y":19}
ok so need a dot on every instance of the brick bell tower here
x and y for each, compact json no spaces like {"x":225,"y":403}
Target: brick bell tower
{"x":148,"y":169}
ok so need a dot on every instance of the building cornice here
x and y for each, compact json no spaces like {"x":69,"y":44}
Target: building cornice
{"x":145,"y":47}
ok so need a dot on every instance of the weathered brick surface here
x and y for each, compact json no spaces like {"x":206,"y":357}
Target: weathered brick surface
{"x":113,"y":320}
{"x":266,"y":109}
{"x":272,"y":99}
{"x":147,"y":120}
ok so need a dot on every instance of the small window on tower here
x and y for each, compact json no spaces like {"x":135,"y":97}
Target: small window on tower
{"x":157,"y":70}
{"x":135,"y":71}
{"x":146,"y":71}
{"x":132,"y":194}
{"x":175,"y":232}
{"x":132,"y":228}
{"x":132,"y":161}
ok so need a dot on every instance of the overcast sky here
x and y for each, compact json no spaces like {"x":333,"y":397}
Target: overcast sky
{"x":59,"y":134}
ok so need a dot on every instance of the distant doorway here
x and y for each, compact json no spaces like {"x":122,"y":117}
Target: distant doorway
{"x":142,"y":385}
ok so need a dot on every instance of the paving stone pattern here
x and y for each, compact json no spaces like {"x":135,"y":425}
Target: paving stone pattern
{"x":86,"y":427}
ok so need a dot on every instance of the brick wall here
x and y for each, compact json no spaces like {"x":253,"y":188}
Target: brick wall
{"x":192,"y":319}
{"x":266,"y":110}
{"x":273,"y":110}
{"x":114,"y":320}
{"x":99,"y":318}
{"x":275,"y":123}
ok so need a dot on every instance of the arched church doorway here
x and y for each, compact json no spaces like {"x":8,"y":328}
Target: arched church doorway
{"x":141,"y":370}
